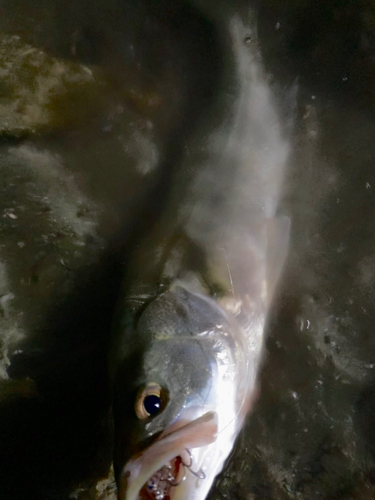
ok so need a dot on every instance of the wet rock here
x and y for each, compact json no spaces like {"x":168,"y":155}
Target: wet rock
{"x":39,"y":92}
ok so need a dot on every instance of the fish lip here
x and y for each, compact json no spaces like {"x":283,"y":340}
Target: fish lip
{"x":170,"y":444}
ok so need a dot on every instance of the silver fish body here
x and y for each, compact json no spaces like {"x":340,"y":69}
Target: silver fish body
{"x":191,"y":328}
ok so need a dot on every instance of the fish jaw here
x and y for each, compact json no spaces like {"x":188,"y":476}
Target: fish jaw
{"x":166,"y":450}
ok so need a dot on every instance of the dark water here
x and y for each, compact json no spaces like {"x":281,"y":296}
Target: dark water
{"x":96,"y":101}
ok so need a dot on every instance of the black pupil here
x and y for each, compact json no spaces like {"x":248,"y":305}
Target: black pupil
{"x":152,"y":404}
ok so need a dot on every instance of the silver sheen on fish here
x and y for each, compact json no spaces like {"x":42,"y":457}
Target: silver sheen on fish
{"x":190,"y":330}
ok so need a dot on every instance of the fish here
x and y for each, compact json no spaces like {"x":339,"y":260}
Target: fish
{"x":189,"y":331}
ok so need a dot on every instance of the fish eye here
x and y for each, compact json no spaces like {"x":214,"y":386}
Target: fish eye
{"x":150,"y":401}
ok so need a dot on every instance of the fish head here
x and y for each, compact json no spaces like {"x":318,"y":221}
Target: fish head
{"x":180,"y":398}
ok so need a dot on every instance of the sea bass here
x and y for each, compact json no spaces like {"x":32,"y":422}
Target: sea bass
{"x":189,"y":334}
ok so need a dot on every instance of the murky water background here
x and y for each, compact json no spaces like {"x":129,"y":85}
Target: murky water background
{"x":96,"y":100}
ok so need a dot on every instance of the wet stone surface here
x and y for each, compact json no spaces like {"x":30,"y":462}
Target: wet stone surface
{"x":82,"y":144}
{"x":84,"y":137}
{"x":30,"y":83}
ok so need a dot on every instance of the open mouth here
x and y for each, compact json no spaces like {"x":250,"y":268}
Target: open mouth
{"x":162,"y":484}
{"x":155,"y":473}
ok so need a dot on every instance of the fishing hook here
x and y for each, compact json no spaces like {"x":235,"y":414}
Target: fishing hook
{"x":199,"y":473}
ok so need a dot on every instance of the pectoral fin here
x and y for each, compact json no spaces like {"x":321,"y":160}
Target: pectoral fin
{"x":278,"y":233}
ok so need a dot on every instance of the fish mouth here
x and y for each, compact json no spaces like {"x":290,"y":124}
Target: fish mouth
{"x":162,"y":484}
{"x":157,"y":472}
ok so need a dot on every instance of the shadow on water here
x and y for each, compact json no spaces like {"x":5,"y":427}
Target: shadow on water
{"x":61,"y":436}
